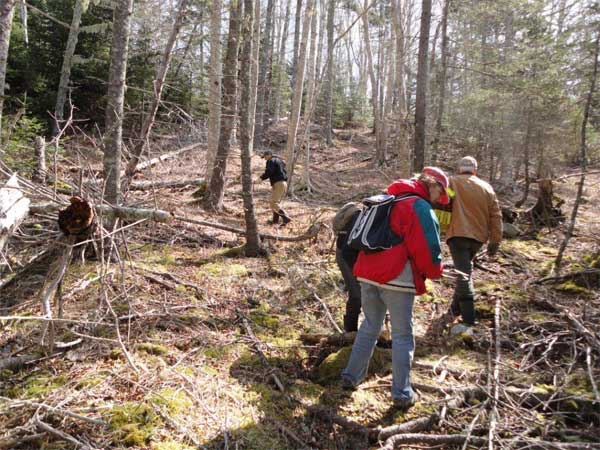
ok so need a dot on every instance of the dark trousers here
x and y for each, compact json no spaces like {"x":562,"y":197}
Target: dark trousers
{"x":463,"y":251}
{"x":353,"y":302}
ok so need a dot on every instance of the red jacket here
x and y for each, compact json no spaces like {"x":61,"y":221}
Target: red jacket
{"x":414,"y":219}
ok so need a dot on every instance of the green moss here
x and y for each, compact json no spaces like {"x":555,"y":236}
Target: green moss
{"x":579,"y":385}
{"x":223,"y":268}
{"x":175,"y":401}
{"x":40,"y":385}
{"x":132,"y":424}
{"x":115,"y":353}
{"x":170,"y":445}
{"x":167,"y":257}
{"x":217,"y":352}
{"x":252,"y":437}
{"x":91,"y":380}
{"x":152,"y":349}
{"x":331,"y":368}
{"x":571,"y":287}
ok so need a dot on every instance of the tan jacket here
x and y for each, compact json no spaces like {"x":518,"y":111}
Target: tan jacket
{"x":475,"y":210}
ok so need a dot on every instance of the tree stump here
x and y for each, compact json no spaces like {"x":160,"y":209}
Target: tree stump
{"x":544,"y":213}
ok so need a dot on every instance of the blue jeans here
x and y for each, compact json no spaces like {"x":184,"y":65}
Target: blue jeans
{"x":375,"y":302}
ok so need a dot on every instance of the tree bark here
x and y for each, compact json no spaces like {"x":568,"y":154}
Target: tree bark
{"x":297,"y":96}
{"x":216,"y":187}
{"x":7,"y":8}
{"x":583,"y":158}
{"x":526,"y":146}
{"x":297,"y":22}
{"x":374,"y":85}
{"x":39,"y":174}
{"x":329,"y":92}
{"x":422,"y":81}
{"x":80,"y":8}
{"x":442,"y":82}
{"x":214,"y":90}
{"x":281,"y":62}
{"x":266,"y":61}
{"x":159,"y":81}
{"x":310,"y":96}
{"x":116,"y":97}
{"x":248,"y":85}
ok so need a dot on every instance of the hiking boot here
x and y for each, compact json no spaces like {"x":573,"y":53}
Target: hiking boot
{"x":404,"y":404}
{"x":286,"y":219}
{"x":347,"y":384}
{"x":274,"y":220}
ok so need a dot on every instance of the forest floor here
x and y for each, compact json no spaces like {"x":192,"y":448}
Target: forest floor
{"x":216,"y":352}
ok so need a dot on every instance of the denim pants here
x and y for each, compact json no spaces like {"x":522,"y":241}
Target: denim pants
{"x":375,"y":302}
{"x":353,"y":301}
{"x":463,"y":251}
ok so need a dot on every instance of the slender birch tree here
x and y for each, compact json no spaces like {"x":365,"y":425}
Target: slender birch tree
{"x":248,"y":87}
{"x":216,"y":186}
{"x":294,"y":121}
{"x":81,"y":7}
{"x":214,"y":90}
{"x":113,"y":138}
{"x":159,"y":81}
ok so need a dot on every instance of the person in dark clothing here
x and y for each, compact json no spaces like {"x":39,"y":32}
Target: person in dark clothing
{"x":346,"y":256}
{"x":277,"y":175}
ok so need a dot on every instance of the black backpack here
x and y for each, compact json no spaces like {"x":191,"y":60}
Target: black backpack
{"x":371,"y":231}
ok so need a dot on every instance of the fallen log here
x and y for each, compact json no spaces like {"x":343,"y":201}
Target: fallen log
{"x":431,"y":440}
{"x":159,"y":215}
{"x":147,"y":185}
{"x":165,"y":157}
{"x":14,"y":207}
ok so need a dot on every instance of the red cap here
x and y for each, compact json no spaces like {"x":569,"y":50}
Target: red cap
{"x":439,"y":176}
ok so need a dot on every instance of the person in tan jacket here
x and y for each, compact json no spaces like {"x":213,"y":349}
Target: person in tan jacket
{"x":476,"y":219}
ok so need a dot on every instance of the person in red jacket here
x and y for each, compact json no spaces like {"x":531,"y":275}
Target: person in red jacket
{"x":390,"y":279}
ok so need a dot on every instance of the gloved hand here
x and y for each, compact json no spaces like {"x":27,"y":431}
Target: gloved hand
{"x":492,"y":248}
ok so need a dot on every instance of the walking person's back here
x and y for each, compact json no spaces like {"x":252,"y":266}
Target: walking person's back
{"x":476,"y":219}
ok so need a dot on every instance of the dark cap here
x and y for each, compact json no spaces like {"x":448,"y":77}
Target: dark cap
{"x":266,"y":153}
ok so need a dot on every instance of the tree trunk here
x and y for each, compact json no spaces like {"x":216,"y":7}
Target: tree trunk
{"x":329,"y":92}
{"x":39,"y":146}
{"x":388,"y":98}
{"x":526,"y":146}
{"x":7,"y":8}
{"x":214,"y":90}
{"x":216,"y":187}
{"x":374,"y":88}
{"x":583,"y":158}
{"x":310,"y":97}
{"x":281,"y":62}
{"x":422,"y":77}
{"x":159,"y":81}
{"x":115,"y":99}
{"x":403,"y":126}
{"x":248,"y":84}
{"x":80,"y":8}
{"x":297,"y":96}
{"x":266,"y":61}
{"x":296,"y":39}
{"x":442,"y":83}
